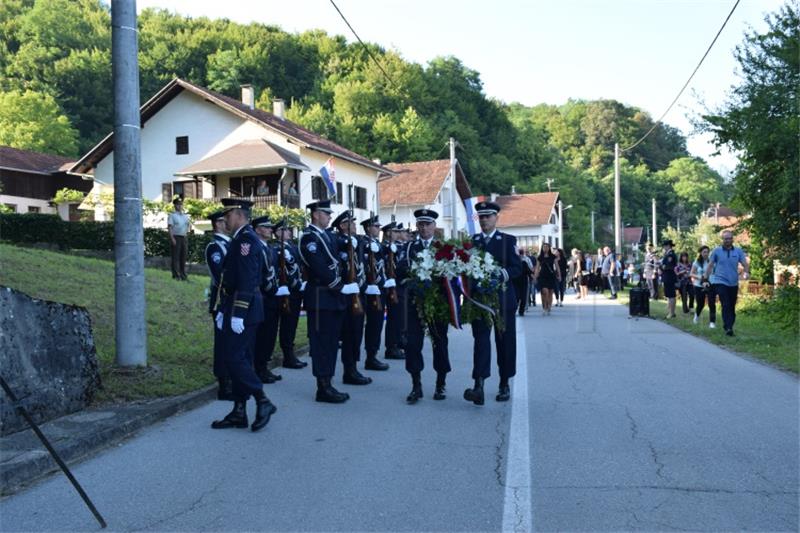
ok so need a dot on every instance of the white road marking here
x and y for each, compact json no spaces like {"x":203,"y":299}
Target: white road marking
{"x":517,"y":500}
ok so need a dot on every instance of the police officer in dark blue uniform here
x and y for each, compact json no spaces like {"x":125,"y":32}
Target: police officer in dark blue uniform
{"x":215,"y":255}
{"x":394,"y":250}
{"x":241,"y":312}
{"x":503,"y":248}
{"x":287,"y":330}
{"x":324,"y":299}
{"x":353,"y":326}
{"x":373,"y":253}
{"x":415,"y":329}
{"x":267,"y":333}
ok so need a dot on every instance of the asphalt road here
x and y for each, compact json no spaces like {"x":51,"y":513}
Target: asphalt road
{"x":620,"y":424}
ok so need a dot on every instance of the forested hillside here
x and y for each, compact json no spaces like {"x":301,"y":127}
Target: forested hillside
{"x":56,"y":96}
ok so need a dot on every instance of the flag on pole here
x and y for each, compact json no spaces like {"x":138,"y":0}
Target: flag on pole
{"x":472,"y":214}
{"x":328,"y":174}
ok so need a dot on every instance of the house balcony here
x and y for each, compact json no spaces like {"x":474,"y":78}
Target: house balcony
{"x":266,"y":200}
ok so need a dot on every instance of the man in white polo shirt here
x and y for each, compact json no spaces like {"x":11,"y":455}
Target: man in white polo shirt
{"x":178,"y":225}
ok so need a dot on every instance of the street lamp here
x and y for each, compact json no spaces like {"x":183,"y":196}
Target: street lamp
{"x":561,"y":210}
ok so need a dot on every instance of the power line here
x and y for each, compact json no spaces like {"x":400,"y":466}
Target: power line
{"x":366,"y":49}
{"x":634,"y":145}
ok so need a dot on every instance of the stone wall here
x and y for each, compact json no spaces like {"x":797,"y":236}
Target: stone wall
{"x":47,"y":356}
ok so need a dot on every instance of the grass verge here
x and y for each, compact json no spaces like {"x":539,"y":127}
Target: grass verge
{"x":757,"y":334}
{"x":179,"y":335}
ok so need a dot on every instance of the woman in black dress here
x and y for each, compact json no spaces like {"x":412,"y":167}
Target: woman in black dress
{"x":547,"y":275}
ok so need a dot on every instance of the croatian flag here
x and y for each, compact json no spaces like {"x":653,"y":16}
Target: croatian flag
{"x":472,"y":215}
{"x":328,"y":174}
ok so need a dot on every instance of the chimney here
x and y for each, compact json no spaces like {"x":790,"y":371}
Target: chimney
{"x":278,"y":108}
{"x":248,"y":96}
{"x":494,"y":196}
{"x":376,"y":161}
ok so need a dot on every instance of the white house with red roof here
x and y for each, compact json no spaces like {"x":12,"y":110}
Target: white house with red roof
{"x":532,"y":218}
{"x":425,"y":184}
{"x":197,"y":143}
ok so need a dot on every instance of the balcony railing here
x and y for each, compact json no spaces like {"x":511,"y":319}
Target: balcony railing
{"x":263,"y":201}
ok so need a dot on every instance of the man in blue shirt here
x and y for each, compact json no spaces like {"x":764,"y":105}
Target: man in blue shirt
{"x":724,"y":264}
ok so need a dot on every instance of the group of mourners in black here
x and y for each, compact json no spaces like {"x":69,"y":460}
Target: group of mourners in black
{"x":349,"y":286}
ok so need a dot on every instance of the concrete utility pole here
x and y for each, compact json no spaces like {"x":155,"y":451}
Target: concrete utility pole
{"x":453,"y":192}
{"x":129,"y":303}
{"x":655,"y":231}
{"x":617,"y":210}
{"x":593,"y":227}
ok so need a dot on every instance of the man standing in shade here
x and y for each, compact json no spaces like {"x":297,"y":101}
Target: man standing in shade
{"x":668,"y":277}
{"x":241,"y":313}
{"x":504,"y":250}
{"x":178,"y":226}
{"x":413,"y":325}
{"x":287,"y":331}
{"x":324,"y":299}
{"x":724,"y":264}
{"x":373,"y":324}
{"x":267,"y":333}
{"x":215,"y":254}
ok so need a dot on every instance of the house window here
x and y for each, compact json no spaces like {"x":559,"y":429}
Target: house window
{"x":182,"y":145}
{"x":34,"y":209}
{"x":166,"y":192}
{"x":339,"y":194}
{"x":13,"y":207}
{"x":360,"y":197}
{"x":185,"y":189}
{"x":319,"y":191}
{"x":235,"y":187}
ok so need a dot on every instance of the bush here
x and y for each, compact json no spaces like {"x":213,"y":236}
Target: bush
{"x":33,"y":228}
{"x":784,"y":307}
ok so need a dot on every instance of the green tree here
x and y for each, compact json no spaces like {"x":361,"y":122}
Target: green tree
{"x":695,"y":184}
{"x":33,"y":121}
{"x":760,"y":122}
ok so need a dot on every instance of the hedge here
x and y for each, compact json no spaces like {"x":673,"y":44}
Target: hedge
{"x":33,"y":228}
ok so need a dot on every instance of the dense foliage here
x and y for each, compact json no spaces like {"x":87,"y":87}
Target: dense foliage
{"x":61,"y":49}
{"x":761,"y":121}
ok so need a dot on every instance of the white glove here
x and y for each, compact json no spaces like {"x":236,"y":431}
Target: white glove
{"x":303,"y":287}
{"x":237,"y":325}
{"x":350,"y":288}
{"x":354,"y":241}
{"x":218,"y":319}
{"x":287,"y":255}
{"x":389,"y":284}
{"x":373,"y":290}
{"x":283,"y":290}
{"x":393,"y":248}
{"x":374,"y":247}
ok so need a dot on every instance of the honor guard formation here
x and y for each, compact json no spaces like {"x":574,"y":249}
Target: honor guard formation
{"x":353,"y":288}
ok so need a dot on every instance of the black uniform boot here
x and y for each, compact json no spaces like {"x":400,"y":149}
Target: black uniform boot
{"x":394,"y":353}
{"x":267,"y":376}
{"x":353,"y":377}
{"x":225,"y":390}
{"x":441,"y":391}
{"x":326,"y":393}
{"x":416,"y":388}
{"x":475,"y":395}
{"x":237,"y":418}
{"x":505,"y":391}
{"x":264,"y":410}
{"x":291,"y":361}
{"x":373,"y":363}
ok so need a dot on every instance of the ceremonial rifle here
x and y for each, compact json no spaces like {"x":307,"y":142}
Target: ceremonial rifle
{"x":355,"y":299}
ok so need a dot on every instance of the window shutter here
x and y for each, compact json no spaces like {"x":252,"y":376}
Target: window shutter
{"x":166,"y":192}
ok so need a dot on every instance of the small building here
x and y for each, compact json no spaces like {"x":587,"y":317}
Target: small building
{"x":29,"y":180}
{"x":532,"y":218}
{"x":425,"y":184}
{"x":197,"y":143}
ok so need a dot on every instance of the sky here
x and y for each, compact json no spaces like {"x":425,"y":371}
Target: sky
{"x":639,"y":52}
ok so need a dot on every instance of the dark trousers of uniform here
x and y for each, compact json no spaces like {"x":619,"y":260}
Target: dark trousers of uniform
{"x":352,"y":334}
{"x":238,"y":350}
{"x":324,"y":327}
{"x":373,"y":327}
{"x":288,"y":326}
{"x":220,"y":371}
{"x":505,"y":343}
{"x":179,"y":251}
{"x":394,"y":321}
{"x":266,"y":335}
{"x":727,"y":301}
{"x":415,"y":338}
